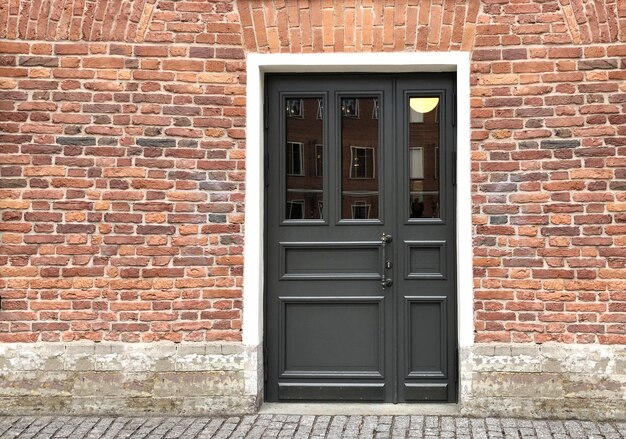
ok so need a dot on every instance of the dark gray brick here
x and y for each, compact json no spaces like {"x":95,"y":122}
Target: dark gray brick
{"x":73,"y":140}
{"x":161,"y":143}
{"x":559,"y":144}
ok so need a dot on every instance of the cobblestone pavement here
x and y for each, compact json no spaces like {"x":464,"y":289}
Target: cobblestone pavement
{"x":284,"y":426}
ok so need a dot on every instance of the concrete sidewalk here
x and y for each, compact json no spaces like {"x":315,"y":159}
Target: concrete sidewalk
{"x":299,"y":426}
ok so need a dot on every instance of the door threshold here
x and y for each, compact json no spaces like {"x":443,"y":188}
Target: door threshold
{"x":317,"y":408}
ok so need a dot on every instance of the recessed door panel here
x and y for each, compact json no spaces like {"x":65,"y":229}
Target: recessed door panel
{"x":325,"y":391}
{"x":333,"y":337}
{"x":331,"y":260}
{"x":426,"y":336}
{"x":360,"y":267}
{"x":426,"y":259}
{"x":425,"y":392}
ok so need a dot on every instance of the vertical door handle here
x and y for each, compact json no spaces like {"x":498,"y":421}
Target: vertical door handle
{"x":384,"y":281}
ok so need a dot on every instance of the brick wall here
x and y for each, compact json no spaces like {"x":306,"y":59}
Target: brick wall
{"x":549,"y":168}
{"x":122,"y":139}
{"x":122,"y":172}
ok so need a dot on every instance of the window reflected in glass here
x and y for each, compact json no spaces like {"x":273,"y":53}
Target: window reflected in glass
{"x":423,"y":157}
{"x":304,"y":158}
{"x":359,"y":154}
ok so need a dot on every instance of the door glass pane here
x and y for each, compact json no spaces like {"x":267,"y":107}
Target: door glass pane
{"x":423,"y":157}
{"x":304,"y":157}
{"x":359,"y":158}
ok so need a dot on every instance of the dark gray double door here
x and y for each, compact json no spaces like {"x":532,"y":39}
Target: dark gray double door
{"x":360,"y":262}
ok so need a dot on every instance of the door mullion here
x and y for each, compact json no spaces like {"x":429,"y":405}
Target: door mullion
{"x":394,"y":138}
{"x":333,"y":158}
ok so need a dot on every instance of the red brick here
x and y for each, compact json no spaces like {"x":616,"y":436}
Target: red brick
{"x":103,"y":62}
{"x":183,"y":65}
{"x":533,"y":67}
{"x":13,"y":47}
{"x":71,"y":49}
{"x":565,"y":52}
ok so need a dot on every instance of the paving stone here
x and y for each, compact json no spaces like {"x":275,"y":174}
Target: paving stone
{"x":116,"y":426}
{"x":320,"y":426}
{"x":301,"y":427}
{"x":50,"y":429}
{"x":68,"y":427}
{"x":244,"y":427}
{"x":147,"y":428}
{"x":590,"y":427}
{"x":337,"y":425}
{"x":130,"y":428}
{"x":36,"y":429}
{"x":227,"y":428}
{"x":305,"y":427}
{"x":575,"y":430}
{"x":400,"y":426}
{"x":447,"y":424}
{"x":6,"y":423}
{"x":271,"y":433}
{"x":352,"y":427}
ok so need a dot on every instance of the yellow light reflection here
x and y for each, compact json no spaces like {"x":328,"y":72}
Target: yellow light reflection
{"x":423,"y":105}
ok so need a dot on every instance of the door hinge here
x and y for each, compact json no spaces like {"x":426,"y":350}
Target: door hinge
{"x":266,"y":123}
{"x":266,"y":111}
{"x":454,"y":109}
{"x":456,"y":365}
{"x":454,"y":168}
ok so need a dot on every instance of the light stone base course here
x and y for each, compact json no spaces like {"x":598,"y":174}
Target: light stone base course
{"x":133,"y":378}
{"x":511,"y":380}
{"x":549,"y":381}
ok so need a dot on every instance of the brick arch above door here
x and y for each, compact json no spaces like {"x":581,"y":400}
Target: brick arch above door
{"x":365,"y":26}
{"x":319,"y":26}
{"x":316,"y":26}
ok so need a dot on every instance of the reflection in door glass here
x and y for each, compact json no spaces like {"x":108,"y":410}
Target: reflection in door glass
{"x":423,"y":157}
{"x":304,"y":158}
{"x":359,"y":155}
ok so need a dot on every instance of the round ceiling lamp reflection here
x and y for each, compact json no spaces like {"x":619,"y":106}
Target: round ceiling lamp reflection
{"x":423,"y":105}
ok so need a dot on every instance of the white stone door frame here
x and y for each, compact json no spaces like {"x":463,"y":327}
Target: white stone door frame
{"x":257,"y":66}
